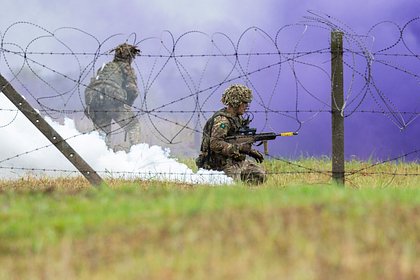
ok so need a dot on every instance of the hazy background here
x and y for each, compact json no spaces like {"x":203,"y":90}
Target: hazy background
{"x":223,"y":27}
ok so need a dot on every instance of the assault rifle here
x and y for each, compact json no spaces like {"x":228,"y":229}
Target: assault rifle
{"x":250,"y":135}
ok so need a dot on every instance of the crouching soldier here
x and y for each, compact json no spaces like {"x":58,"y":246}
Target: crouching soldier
{"x":217,"y":153}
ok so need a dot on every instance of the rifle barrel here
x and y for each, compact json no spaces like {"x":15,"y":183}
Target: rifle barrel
{"x":287,"y":134}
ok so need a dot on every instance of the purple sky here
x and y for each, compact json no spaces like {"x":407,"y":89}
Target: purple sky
{"x":367,"y":135}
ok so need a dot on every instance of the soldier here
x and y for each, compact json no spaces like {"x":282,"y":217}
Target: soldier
{"x":216,"y":153}
{"x":111,"y":94}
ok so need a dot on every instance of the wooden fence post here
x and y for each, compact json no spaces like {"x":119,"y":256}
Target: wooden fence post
{"x":49,"y":132}
{"x":337,"y":103}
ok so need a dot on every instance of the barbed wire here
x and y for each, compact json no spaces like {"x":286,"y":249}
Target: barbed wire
{"x":67,"y":112}
{"x":58,"y":90}
{"x":307,"y":170}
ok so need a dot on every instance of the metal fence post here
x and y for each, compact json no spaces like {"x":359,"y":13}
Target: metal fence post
{"x":337,"y":103}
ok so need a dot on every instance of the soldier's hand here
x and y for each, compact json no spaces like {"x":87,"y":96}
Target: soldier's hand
{"x":245,"y":148}
{"x":131,"y":96}
{"x":256,"y":155}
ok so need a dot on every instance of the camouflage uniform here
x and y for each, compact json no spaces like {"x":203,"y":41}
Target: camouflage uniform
{"x":111,"y":94}
{"x":217,"y":154}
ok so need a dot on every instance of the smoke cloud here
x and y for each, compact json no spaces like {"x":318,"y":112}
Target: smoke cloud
{"x":25,"y":151}
{"x":296,"y":85}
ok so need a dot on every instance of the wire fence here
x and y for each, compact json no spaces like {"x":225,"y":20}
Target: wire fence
{"x":181,"y":79}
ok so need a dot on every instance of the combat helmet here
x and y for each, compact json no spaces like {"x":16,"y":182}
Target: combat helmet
{"x":125,"y":52}
{"x":236,"y":94}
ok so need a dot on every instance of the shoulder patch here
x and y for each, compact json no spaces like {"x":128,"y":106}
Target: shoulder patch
{"x":222,"y":125}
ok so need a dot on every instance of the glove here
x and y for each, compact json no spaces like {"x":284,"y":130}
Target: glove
{"x":256,"y":155}
{"x":245,"y":148}
{"x":131,"y":96}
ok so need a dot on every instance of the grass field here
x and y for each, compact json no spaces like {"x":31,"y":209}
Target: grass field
{"x":296,"y":226}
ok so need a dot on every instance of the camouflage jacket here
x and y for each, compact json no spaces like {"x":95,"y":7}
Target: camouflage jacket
{"x":117,"y":80}
{"x":216,"y":153}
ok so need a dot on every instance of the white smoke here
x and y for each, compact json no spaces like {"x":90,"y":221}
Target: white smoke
{"x":24,"y":150}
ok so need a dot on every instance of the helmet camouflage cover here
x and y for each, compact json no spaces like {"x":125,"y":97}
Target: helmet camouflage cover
{"x":236,"y":94}
{"x":126,"y":52}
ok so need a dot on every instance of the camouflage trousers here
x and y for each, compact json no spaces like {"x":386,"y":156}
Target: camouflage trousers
{"x":247,"y":171}
{"x":124,"y":117}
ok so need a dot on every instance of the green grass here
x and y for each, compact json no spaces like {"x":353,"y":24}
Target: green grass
{"x":296,"y":226}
